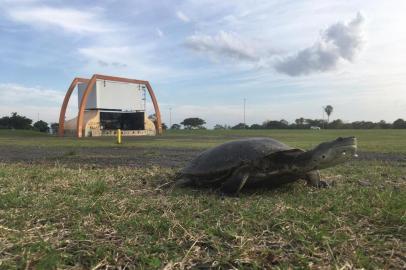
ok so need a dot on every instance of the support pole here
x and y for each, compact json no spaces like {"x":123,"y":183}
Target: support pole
{"x":119,"y":136}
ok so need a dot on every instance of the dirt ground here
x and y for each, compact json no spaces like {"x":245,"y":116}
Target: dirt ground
{"x":133,"y":157}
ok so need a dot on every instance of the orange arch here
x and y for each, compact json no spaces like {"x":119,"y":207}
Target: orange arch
{"x":89,"y":88}
{"x":61,"y":129}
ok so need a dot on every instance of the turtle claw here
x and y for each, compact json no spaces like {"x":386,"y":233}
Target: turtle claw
{"x":224,"y":195}
{"x":323,"y":184}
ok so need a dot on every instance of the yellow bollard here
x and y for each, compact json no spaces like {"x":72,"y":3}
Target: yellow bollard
{"x":119,"y":136}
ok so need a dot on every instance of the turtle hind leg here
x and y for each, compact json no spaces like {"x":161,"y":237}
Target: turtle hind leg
{"x":313,"y":179}
{"x":184,"y":182}
{"x":236,"y":181}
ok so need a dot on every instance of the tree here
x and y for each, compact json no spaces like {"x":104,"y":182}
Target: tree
{"x":41,"y":126}
{"x":275,"y":124}
{"x":256,"y":126}
{"x":284,"y":122}
{"x":328,"y":109}
{"x":300,"y":122}
{"x":362,"y":125}
{"x":240,"y":126}
{"x":15,"y":121}
{"x":383,"y":124}
{"x":336,"y":124}
{"x":175,"y":126}
{"x":54,"y":128}
{"x":315,"y":122}
{"x":164,"y":126}
{"x":5,"y":122}
{"x":20,"y":122}
{"x":218,"y":126}
{"x":399,"y":123}
{"x":193,"y":123}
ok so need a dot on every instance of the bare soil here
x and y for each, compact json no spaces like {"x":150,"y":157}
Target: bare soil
{"x":132,"y":157}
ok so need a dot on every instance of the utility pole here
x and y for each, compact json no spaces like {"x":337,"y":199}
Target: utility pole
{"x":170,"y":117}
{"x":323,"y":110}
{"x":244,"y":112}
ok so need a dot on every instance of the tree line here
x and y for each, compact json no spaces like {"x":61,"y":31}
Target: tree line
{"x":300,"y":123}
{"x":16,"y":121}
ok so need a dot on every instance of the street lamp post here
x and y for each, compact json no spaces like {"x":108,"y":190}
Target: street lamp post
{"x":244,"y":112}
{"x":323,"y":110}
{"x":170,"y":117}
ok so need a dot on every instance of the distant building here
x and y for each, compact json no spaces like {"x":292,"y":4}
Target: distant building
{"x":106,"y":104}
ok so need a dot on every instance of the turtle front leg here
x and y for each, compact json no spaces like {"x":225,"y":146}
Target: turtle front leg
{"x":313,"y":179}
{"x":236,"y":181}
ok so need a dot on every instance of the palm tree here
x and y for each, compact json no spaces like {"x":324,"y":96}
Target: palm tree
{"x":328,"y":109}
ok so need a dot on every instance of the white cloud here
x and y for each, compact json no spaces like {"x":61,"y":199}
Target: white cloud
{"x":108,"y":56}
{"x":159,"y":32}
{"x":224,"y":44}
{"x":71,"y":20}
{"x":339,"y":42}
{"x":181,"y":16}
{"x":15,"y":93}
{"x":9,"y":2}
{"x":291,"y":25}
{"x":125,"y":61}
{"x":31,"y":101}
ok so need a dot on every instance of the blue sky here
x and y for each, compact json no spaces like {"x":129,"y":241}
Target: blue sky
{"x":203,"y":57}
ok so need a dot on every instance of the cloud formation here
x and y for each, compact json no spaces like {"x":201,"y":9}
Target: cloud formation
{"x":340,"y":41}
{"x":31,"y":101}
{"x":114,"y":64}
{"x":159,"y":32}
{"x":182,"y":16}
{"x":71,"y":20}
{"x":19,"y":94}
{"x":108,"y":56}
{"x":224,"y":44}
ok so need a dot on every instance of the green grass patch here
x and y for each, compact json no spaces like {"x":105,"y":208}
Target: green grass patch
{"x":388,"y":140}
{"x":7,"y":133}
{"x":57,"y":217}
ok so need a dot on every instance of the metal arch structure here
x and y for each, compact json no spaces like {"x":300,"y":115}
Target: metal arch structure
{"x":89,"y":88}
{"x":75,"y":82}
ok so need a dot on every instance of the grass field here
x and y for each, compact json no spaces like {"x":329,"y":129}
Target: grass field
{"x":380,"y":140}
{"x":84,"y":216}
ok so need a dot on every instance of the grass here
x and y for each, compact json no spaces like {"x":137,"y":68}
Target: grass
{"x":54,"y":216}
{"x":379,"y":140}
{"x":62,"y":217}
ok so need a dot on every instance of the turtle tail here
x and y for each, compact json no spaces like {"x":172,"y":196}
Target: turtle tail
{"x":182,"y":180}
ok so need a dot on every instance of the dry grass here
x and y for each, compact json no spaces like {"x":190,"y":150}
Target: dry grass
{"x":374,"y":140}
{"x":89,"y":218}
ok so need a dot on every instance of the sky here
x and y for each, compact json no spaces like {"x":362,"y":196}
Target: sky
{"x":287,"y":59}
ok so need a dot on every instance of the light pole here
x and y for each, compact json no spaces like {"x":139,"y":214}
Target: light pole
{"x":244,"y":112}
{"x":170,"y":117}
{"x":323,"y":110}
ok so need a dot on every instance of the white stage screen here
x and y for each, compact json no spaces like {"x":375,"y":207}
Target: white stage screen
{"x":111,"y":95}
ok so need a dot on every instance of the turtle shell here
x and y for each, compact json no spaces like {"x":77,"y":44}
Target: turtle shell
{"x":230,"y":155}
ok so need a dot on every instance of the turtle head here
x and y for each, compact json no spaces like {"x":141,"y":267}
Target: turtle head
{"x":328,"y":154}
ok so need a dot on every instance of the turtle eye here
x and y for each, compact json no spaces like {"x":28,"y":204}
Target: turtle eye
{"x":323,"y":156}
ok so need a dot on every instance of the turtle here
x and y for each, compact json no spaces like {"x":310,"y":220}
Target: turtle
{"x":256,"y":162}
